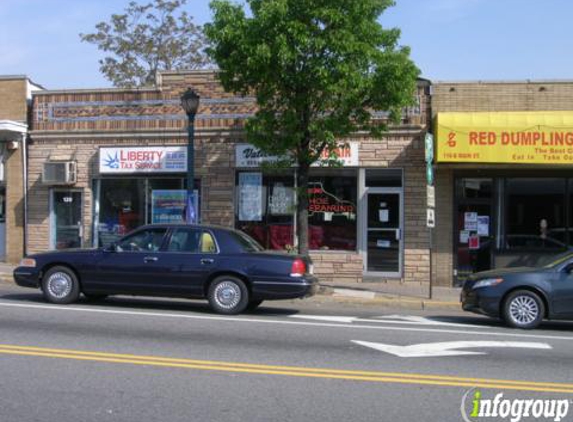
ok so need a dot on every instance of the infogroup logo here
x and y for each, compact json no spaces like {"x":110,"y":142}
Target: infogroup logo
{"x":476,"y":407}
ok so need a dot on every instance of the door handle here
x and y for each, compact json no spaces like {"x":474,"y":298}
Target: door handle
{"x":150,"y":259}
{"x":207,"y":261}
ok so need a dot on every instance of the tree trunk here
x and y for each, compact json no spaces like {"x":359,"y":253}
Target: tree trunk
{"x":302,"y":208}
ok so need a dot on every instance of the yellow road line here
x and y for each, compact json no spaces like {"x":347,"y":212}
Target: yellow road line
{"x":370,"y":376}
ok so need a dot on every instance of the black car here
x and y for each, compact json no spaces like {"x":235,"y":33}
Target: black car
{"x":225,"y":266}
{"x":523,"y":296}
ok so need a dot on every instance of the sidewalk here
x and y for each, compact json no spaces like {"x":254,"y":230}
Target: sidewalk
{"x":395,"y":295}
{"x":399,"y":295}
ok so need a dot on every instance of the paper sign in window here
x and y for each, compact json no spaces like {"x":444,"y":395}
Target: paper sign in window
{"x":383,"y":243}
{"x":383,"y":216}
{"x":483,"y":225}
{"x":470,"y":221}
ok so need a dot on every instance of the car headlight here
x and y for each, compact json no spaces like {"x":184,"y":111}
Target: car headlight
{"x":28,"y":262}
{"x":487,"y":282}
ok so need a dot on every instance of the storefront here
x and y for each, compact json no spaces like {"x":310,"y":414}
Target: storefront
{"x":118,"y":159}
{"x":139,"y":185}
{"x":351,"y":209}
{"x":512,"y":186}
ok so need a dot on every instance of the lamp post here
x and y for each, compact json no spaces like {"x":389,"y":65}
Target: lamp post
{"x":190,"y":103}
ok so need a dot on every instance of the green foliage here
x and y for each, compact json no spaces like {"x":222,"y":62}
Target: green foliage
{"x":318,"y":68}
{"x":148,"y":38}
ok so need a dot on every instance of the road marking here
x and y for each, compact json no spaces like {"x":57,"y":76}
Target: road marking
{"x":343,"y":319}
{"x":294,"y":371}
{"x":420,"y":320}
{"x":67,"y":308}
{"x":447,"y":348}
{"x":386,"y":319}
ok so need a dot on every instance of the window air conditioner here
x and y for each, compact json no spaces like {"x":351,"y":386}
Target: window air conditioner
{"x":59,"y":173}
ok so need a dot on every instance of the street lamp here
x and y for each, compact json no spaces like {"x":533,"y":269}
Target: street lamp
{"x":190,"y":104}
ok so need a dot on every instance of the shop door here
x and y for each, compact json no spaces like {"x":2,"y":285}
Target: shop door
{"x":384,"y":232}
{"x":474,"y":239}
{"x":66,"y":219}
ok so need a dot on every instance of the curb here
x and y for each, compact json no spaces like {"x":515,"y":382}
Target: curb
{"x":366,"y":297}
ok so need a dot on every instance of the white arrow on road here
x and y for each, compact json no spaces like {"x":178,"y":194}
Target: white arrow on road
{"x":447,"y":348}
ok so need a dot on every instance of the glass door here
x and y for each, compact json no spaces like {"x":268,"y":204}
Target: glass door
{"x":66,"y":219}
{"x":384,"y":232}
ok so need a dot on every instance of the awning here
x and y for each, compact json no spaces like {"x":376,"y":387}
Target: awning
{"x":529,"y":137}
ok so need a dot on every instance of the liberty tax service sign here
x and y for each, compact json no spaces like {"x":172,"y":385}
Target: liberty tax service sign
{"x":143,"y":160}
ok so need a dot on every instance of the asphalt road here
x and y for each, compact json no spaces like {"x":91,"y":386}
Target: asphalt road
{"x":147,"y":359}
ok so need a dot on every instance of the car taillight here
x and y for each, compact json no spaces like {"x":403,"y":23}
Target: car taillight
{"x":298,"y":268}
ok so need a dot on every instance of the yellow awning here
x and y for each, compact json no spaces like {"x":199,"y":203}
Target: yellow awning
{"x":528,"y":137}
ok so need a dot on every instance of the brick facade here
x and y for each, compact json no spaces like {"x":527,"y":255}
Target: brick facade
{"x":14,"y":93}
{"x":481,"y":97}
{"x":73,"y":125}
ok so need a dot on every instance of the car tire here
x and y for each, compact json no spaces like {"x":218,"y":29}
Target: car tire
{"x":523,"y":309}
{"x":228,"y":295}
{"x":60,"y":285}
{"x":94,"y":297}
{"x":253,"y":304}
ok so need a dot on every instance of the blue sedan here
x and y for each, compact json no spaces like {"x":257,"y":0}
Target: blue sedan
{"x":523,"y":296}
{"x":225,"y":266}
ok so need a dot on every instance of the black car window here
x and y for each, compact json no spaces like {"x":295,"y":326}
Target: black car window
{"x":143,"y":241}
{"x":185,"y":240}
{"x":247,"y":243}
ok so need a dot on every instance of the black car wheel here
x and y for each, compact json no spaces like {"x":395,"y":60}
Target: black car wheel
{"x":228,"y":295}
{"x":60,"y":285}
{"x":523,"y":309}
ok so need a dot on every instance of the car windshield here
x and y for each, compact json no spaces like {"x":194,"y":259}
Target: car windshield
{"x":553,"y":260}
{"x":247,"y":243}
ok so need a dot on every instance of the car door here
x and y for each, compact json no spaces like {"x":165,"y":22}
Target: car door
{"x":562,"y":296}
{"x":135,"y":265}
{"x":191,"y":256}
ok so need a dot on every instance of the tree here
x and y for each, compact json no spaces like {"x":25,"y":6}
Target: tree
{"x":318,"y":68}
{"x":145,"y":39}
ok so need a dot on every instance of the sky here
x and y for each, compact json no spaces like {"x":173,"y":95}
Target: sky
{"x":450,"y":40}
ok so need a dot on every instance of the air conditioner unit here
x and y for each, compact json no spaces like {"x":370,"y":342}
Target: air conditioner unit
{"x":59,"y":173}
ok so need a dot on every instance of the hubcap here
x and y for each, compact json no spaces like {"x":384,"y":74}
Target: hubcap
{"x":227,"y":294}
{"x":60,"y":285}
{"x":524,"y":310}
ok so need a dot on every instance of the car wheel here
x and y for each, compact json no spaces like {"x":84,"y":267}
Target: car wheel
{"x":93,"y":297}
{"x":254,"y":304}
{"x":228,"y":295}
{"x":523,"y":309}
{"x":60,"y":285}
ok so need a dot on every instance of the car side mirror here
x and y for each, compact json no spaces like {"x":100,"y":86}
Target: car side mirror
{"x":568,"y":269}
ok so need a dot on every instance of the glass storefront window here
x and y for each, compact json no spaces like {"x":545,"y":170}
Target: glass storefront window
{"x":126,"y":203}
{"x":474,"y":188}
{"x":332,"y":210}
{"x":384,"y":178}
{"x":510,"y":221}
{"x":535,"y":214}
{"x":121,"y":208}
{"x":265,"y":209}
